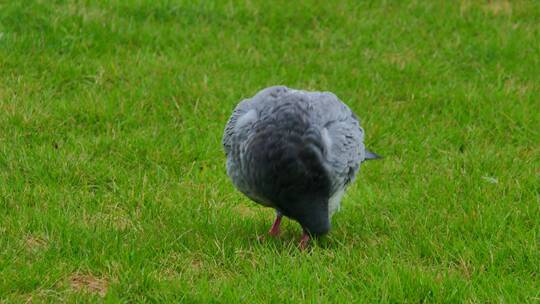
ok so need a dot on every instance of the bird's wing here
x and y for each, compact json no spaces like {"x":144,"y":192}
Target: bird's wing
{"x":238,"y":125}
{"x":247,"y":112}
{"x":241,"y":109}
{"x":342,"y":135}
{"x":347,"y":149}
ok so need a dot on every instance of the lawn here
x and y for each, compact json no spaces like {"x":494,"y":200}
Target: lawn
{"x":112,"y":175}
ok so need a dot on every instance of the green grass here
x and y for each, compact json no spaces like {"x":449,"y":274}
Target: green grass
{"x":112,"y":179}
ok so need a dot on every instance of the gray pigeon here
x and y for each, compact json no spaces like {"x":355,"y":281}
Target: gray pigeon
{"x":295,"y":151}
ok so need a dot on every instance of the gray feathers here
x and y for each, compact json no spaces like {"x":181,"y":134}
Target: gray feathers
{"x":370,"y":155}
{"x":294,"y":150}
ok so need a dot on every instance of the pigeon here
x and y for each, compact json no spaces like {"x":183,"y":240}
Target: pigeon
{"x":295,"y":151}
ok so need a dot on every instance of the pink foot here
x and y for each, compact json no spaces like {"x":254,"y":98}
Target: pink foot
{"x":304,"y":242}
{"x":274,"y":231}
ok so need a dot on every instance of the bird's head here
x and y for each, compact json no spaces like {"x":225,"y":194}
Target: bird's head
{"x":312,"y":214}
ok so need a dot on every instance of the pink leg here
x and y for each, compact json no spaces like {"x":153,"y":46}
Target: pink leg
{"x":304,"y":241}
{"x":274,"y":231}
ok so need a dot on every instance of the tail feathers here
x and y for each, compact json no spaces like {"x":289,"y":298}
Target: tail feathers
{"x":370,"y":155}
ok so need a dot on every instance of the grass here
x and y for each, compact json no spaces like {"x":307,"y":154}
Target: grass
{"x":112,"y":179}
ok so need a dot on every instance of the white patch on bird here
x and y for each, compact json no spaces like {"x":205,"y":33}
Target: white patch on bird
{"x":334,"y":202}
{"x":250,"y":116}
{"x":327,"y":140}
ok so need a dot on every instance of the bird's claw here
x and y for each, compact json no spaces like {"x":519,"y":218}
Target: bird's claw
{"x":274,"y":231}
{"x":304,"y":242}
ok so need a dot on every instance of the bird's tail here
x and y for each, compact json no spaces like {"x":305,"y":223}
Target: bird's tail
{"x":371,"y":156}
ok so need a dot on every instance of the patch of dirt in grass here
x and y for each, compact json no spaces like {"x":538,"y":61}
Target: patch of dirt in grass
{"x":175,"y":265}
{"x":464,"y":6}
{"x":494,"y":7}
{"x":88,"y":283}
{"x":121,"y":222}
{"x":497,"y":7}
{"x":35,"y":243}
{"x":514,"y":86}
{"x":114,"y":217}
{"x":246,"y":211}
{"x":400,"y":59}
{"x":87,"y":13}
